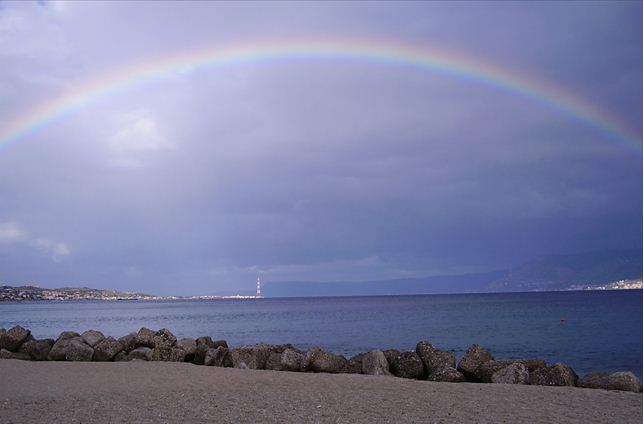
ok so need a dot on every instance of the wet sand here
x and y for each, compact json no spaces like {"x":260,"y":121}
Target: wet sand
{"x":158,"y":392}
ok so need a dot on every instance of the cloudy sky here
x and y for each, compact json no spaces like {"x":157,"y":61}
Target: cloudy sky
{"x":327,"y":168}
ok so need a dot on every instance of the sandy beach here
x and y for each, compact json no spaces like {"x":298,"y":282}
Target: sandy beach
{"x":151,"y":392}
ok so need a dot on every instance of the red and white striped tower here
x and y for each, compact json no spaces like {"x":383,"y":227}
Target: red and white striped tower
{"x":259,"y":288}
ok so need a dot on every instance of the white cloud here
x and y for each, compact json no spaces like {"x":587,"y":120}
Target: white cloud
{"x":10,"y":232}
{"x":57,"y":250}
{"x":138,"y":134}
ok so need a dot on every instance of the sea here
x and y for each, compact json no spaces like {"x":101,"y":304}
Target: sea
{"x":588,"y":330}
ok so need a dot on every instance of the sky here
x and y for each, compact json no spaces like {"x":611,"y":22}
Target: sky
{"x":317,"y":168}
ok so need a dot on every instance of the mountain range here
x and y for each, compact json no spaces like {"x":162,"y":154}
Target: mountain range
{"x":552,"y":272}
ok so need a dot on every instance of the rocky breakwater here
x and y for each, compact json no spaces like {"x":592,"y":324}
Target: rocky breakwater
{"x":426,"y":362}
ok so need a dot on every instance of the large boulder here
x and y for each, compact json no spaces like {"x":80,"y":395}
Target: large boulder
{"x":189,"y":346}
{"x":515,"y":373}
{"x":145,"y":337}
{"x":407,"y":365}
{"x":219,"y":357}
{"x":37,"y":349}
{"x":354,"y":365}
{"x":72,"y":349}
{"x":13,"y":338}
{"x":128,"y":342}
{"x":164,"y":338}
{"x":321,"y":361}
{"x":141,"y":353}
{"x":6,"y":354}
{"x":168,"y":354}
{"x":624,"y":381}
{"x":446,"y":374}
{"x":107,"y":349}
{"x":203,"y":344}
{"x":594,"y":380}
{"x":92,"y":337}
{"x":251,"y":357}
{"x":556,"y":375}
{"x":485,"y":371}
{"x":434,"y":358}
{"x":288,"y":360}
{"x":375,"y":363}
{"x":390,"y":354}
{"x":67,"y":335}
{"x":474,"y":357}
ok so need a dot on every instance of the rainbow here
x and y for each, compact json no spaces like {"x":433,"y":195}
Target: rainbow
{"x":425,"y":58}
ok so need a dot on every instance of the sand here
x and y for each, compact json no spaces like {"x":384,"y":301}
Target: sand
{"x":157,"y":392}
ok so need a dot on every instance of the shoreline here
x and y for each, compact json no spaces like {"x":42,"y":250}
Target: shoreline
{"x":150,"y":392}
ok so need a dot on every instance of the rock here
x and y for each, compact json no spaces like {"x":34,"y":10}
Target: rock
{"x":92,"y":337}
{"x":145,"y":338}
{"x":37,"y":349}
{"x":408,"y":365}
{"x":251,"y":357}
{"x":485,"y":371}
{"x":72,"y":349}
{"x":107,"y":349}
{"x":203,"y":344}
{"x":375,"y":363}
{"x":13,"y":338}
{"x":128,"y":342}
{"x":474,"y":357}
{"x":288,"y":360}
{"x":6,"y":354}
{"x":556,"y":375}
{"x":434,"y":358}
{"x":321,"y":361}
{"x":515,"y":373}
{"x":189,"y":346}
{"x":164,"y":338}
{"x":624,"y":381}
{"x":141,"y":353}
{"x":594,"y":380}
{"x":121,"y":356}
{"x":390,"y":354}
{"x":67,"y":335}
{"x":446,"y":374}
{"x":354,"y":366}
{"x":168,"y":354}
{"x":219,"y":357}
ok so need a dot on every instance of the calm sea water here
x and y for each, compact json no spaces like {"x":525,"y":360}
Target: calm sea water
{"x":588,"y":330}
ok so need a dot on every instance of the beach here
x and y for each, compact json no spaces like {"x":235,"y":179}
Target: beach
{"x":162,"y":392}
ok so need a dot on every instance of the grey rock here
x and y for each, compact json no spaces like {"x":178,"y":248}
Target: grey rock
{"x":203,"y":344}
{"x":556,"y":375}
{"x":446,"y":374}
{"x":121,"y":356}
{"x":67,"y":335}
{"x":107,"y":349}
{"x":485,"y":371}
{"x":251,"y":357}
{"x":189,"y":346}
{"x":13,"y":338}
{"x":624,"y":381}
{"x":375,"y":363}
{"x":141,"y":353}
{"x":145,"y":337}
{"x":515,"y":373}
{"x":72,"y":349}
{"x":594,"y":380}
{"x":434,"y":358}
{"x":164,"y":338}
{"x":37,"y":349}
{"x":6,"y":354}
{"x":168,"y":354}
{"x":219,"y":357}
{"x":321,"y":361}
{"x":474,"y":357}
{"x":288,"y":360}
{"x":354,"y":366}
{"x":128,"y":342}
{"x":407,"y":365}
{"x":92,"y":337}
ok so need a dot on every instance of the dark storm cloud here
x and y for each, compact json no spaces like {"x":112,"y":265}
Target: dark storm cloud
{"x":312,"y":170}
